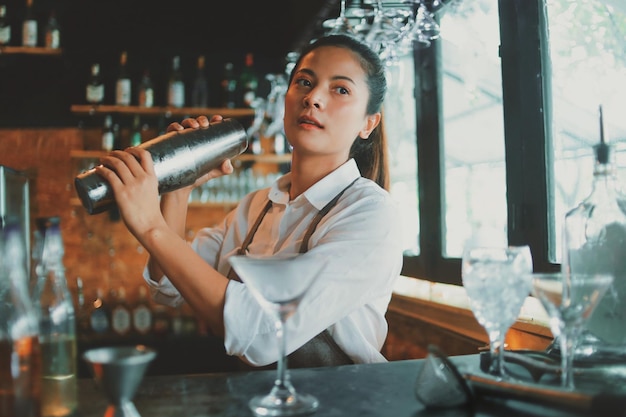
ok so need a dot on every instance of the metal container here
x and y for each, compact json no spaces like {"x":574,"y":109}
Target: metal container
{"x":180,"y":158}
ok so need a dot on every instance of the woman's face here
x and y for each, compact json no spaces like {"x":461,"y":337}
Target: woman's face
{"x":325,"y":105}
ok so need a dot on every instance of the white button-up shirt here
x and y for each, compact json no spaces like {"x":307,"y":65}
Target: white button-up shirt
{"x":359,"y":241}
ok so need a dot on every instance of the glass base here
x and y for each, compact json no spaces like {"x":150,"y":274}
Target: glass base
{"x":293,"y":405}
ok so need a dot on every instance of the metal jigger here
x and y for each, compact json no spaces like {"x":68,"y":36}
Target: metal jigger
{"x":118,"y":371}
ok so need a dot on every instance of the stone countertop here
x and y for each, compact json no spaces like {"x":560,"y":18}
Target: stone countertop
{"x":385,"y":390}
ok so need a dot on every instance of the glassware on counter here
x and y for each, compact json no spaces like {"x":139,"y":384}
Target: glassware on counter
{"x":569,"y":300}
{"x":20,"y":356}
{"x":278,"y":284}
{"x":497,"y":282}
{"x":57,"y":323}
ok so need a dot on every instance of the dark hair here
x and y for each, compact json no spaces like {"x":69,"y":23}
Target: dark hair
{"x":371,"y":154}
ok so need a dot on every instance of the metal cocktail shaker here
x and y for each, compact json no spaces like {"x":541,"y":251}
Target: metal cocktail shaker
{"x":180,"y":157}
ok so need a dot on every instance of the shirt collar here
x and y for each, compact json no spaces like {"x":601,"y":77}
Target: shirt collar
{"x":322,"y":191}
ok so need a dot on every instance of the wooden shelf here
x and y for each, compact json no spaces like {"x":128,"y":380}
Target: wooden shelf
{"x":265,"y":158}
{"x":29,"y":50}
{"x":88,"y":109}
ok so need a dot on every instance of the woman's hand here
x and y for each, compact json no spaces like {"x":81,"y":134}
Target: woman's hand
{"x":135,"y":185}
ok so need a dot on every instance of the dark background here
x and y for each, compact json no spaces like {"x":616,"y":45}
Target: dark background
{"x":38,"y":90}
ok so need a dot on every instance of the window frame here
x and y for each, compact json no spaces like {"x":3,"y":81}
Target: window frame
{"x":527,"y":112}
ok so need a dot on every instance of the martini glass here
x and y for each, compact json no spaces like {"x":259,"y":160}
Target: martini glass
{"x":569,"y":301}
{"x":497,"y":281}
{"x":278,"y":283}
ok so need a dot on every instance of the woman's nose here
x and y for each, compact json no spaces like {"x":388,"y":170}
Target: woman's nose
{"x":313,"y":99}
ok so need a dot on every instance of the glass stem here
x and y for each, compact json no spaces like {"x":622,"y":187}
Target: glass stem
{"x":496,"y":346}
{"x":282,"y":387}
{"x":567,"y":340}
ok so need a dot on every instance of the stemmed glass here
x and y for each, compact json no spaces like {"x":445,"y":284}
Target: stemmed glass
{"x":497,"y":281}
{"x":278,"y":283}
{"x":569,"y":300}
{"x":341,"y":24}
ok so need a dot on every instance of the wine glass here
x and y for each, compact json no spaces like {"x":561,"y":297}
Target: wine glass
{"x":569,"y":300}
{"x":278,"y":283}
{"x":497,"y":281}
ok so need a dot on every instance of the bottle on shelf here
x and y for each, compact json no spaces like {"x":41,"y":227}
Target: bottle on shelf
{"x":95,"y":87}
{"x":117,"y":136}
{"x":120,"y":314}
{"x":594,"y":241}
{"x":176,"y":85}
{"x":249,"y":82}
{"x":29,"y":26}
{"x":52,"y":38}
{"x":200,"y":90}
{"x":100,"y":318}
{"x":20,"y":356}
{"x":162,"y":324}
{"x":83,"y":329}
{"x":108,"y":138}
{"x":57,"y":325}
{"x":145,"y":90}
{"x":228,"y":87}
{"x":142,"y":314}
{"x":5,"y":27}
{"x":136,"y":132}
{"x":123,"y":83}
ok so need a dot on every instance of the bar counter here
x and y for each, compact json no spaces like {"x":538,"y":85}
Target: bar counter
{"x":385,"y":390}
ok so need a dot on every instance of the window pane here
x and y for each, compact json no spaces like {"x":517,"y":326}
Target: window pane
{"x":474,"y":177}
{"x":588,"y":56}
{"x":400,"y":128}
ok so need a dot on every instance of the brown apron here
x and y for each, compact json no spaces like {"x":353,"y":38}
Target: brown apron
{"x":322,"y":350}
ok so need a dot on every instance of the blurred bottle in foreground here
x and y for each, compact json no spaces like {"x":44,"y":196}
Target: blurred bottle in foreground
{"x":57,"y":324}
{"x":20,"y":356}
{"x":594,"y":241}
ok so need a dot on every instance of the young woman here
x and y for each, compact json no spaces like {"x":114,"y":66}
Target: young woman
{"x":332,"y":121}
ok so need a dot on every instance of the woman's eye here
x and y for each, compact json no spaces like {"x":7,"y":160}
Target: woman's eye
{"x":342,"y":90}
{"x":303,"y":82}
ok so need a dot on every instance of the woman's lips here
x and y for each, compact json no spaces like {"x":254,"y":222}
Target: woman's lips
{"x":306,"y":120}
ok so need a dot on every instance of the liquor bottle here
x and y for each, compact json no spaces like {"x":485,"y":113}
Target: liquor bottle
{"x":176,"y":85}
{"x":83,"y":329}
{"x":107,"y":134}
{"x":57,"y":326}
{"x":120,"y":313}
{"x":145,"y":91}
{"x":52,"y":37}
{"x":135,"y":134}
{"x":117,"y":136}
{"x":142,"y":314}
{"x":123,"y":84}
{"x":20,"y":356}
{"x":5,"y":27}
{"x":161,"y":322}
{"x":594,"y":241}
{"x":200,"y":90}
{"x":249,"y":82}
{"x":29,"y":26}
{"x":100,"y":318}
{"x":95,"y":87}
{"x":228,"y":87}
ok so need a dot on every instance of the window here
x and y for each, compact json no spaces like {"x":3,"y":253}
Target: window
{"x":506,"y":115}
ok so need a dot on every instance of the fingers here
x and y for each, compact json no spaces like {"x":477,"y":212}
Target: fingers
{"x":127,"y":164}
{"x":194,"y":123}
